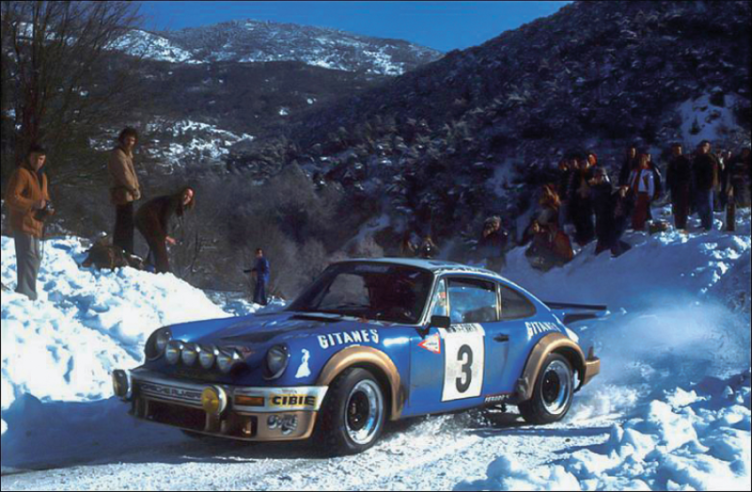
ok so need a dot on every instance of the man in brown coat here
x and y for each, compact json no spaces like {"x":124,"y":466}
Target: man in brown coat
{"x":124,"y":189}
{"x":29,"y":205}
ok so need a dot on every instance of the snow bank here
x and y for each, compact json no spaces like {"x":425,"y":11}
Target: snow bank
{"x":64,"y":347}
{"x":690,"y":440}
{"x":679,"y":315}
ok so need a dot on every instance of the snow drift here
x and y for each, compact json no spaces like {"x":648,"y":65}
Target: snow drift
{"x":64,"y":347}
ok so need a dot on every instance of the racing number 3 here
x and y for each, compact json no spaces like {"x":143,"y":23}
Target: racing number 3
{"x":465,"y":357}
{"x":464,"y":360}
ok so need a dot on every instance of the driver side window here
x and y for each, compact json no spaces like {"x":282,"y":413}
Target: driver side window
{"x":439,"y":303}
{"x":473,"y":301}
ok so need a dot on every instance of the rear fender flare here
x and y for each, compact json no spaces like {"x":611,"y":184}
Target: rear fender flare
{"x":550,"y":344}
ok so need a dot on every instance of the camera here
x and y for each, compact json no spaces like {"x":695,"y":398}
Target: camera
{"x":45,"y":213}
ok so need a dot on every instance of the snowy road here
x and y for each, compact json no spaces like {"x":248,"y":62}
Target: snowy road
{"x":440,"y":453}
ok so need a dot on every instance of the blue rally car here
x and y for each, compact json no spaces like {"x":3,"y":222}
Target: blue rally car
{"x":369,"y":341}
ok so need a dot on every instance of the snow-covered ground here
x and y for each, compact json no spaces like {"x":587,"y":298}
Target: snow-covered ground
{"x":670,"y":411}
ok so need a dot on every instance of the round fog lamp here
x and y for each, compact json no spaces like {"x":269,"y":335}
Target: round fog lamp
{"x":207,"y":357}
{"x":190,"y":354}
{"x":214,"y":400}
{"x":174,"y":349}
{"x":227,"y":359}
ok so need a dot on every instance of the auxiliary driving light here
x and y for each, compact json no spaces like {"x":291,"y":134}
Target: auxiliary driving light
{"x":227,"y":359}
{"x":208,"y":356}
{"x":174,"y":349}
{"x":190,"y":354}
{"x":214,"y":400}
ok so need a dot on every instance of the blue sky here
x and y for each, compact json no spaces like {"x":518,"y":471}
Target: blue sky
{"x":440,"y":25}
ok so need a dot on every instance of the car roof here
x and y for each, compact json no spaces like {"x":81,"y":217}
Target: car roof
{"x":434,"y":266}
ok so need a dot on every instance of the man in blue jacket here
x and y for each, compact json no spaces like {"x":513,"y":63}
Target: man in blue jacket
{"x":262,"y":271}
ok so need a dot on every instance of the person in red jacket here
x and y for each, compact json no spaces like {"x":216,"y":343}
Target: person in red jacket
{"x":29,"y":203}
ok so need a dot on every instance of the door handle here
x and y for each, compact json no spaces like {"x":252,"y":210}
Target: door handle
{"x":501,"y":338}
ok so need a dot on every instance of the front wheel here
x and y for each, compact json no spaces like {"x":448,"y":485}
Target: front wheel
{"x":553,"y":392}
{"x":353,"y":416}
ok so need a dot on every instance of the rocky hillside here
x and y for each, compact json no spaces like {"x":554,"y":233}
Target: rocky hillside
{"x":457,"y":138}
{"x":249,"y":41}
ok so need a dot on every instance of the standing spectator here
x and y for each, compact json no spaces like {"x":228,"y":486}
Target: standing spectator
{"x":706,"y":179}
{"x":642,"y":187}
{"x":679,"y":183}
{"x":581,"y":203}
{"x":493,"y":243}
{"x":29,"y":203}
{"x":611,"y":212}
{"x":566,"y":167}
{"x":629,"y":164}
{"x":124,"y":189}
{"x":261,"y":272}
{"x":737,"y":185}
{"x":153,"y":222}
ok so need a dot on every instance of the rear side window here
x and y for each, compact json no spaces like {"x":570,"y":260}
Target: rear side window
{"x":514,"y":305}
{"x":472,"y":301}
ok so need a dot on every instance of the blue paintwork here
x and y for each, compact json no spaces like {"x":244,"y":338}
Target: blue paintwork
{"x":422,"y":371}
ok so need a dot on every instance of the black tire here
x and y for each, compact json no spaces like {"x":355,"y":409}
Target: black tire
{"x":333,"y":429}
{"x":538,"y":410}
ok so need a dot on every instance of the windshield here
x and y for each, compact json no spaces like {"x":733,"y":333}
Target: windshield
{"x":372,"y":291}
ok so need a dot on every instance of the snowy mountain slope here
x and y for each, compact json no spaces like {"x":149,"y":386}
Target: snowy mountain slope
{"x":248,"y":41}
{"x":670,"y":411}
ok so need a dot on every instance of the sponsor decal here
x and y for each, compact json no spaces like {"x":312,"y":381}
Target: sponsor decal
{"x":348,"y":338}
{"x":473,"y":328}
{"x":537,"y":327}
{"x":497,"y":398}
{"x":432,"y":344}
{"x":294,"y":401}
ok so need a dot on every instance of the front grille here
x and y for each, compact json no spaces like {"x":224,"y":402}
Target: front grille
{"x":176,"y":415}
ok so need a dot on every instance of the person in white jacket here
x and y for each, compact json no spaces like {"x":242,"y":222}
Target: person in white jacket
{"x":642,"y":188}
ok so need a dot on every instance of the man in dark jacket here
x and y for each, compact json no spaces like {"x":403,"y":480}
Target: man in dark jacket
{"x":738,"y":177}
{"x":628,"y":165}
{"x":153,"y":222}
{"x":262,"y":271}
{"x":581,"y":203}
{"x":706,"y":178}
{"x":493,"y":243}
{"x":679,"y":183}
{"x":611,"y":214}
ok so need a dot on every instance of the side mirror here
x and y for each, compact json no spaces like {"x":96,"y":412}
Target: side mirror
{"x":441,"y":322}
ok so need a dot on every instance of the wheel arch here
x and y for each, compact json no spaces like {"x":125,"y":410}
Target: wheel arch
{"x":376,"y":362}
{"x":553,"y":343}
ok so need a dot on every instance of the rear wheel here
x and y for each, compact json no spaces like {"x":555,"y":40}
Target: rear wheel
{"x":553,"y":392}
{"x":354,"y":412}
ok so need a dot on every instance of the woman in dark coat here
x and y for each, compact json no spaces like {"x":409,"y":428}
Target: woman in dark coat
{"x":153,"y":222}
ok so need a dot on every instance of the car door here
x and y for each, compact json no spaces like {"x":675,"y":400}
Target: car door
{"x":510,"y":342}
{"x":448,"y":365}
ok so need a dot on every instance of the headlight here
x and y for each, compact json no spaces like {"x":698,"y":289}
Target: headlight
{"x":174,"y":349}
{"x":190,"y":354}
{"x":276,"y":361}
{"x":157,"y":343}
{"x":226,"y":360}
{"x":208,"y":356}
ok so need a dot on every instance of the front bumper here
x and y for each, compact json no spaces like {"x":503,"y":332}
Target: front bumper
{"x":248,"y":414}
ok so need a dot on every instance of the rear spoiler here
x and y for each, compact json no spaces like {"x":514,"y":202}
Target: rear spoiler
{"x":586,"y":311}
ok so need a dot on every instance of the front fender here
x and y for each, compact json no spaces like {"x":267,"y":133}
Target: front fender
{"x":361,"y":356}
